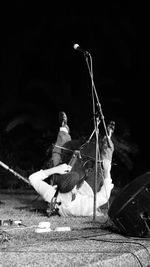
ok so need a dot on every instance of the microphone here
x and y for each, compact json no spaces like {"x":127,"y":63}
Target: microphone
{"x":77,"y":47}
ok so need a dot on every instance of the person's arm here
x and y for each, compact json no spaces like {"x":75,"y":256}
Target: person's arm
{"x":107,"y":151}
{"x":44,"y":189}
{"x":43,"y":174}
{"x":104,"y":194}
{"x":60,"y":169}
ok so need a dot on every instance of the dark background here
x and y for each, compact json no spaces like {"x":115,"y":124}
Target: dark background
{"x":41,"y":74}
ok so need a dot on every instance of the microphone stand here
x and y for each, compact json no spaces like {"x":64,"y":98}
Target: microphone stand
{"x":96,"y":116}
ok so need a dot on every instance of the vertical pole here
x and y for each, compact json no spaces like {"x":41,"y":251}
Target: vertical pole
{"x":96,"y":167}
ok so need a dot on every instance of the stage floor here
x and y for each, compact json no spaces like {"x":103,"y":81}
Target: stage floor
{"x":88,"y":243}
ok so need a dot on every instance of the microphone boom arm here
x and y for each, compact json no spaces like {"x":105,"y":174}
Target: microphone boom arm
{"x":14,"y":172}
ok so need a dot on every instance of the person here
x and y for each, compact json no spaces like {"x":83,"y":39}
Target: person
{"x":77,"y":200}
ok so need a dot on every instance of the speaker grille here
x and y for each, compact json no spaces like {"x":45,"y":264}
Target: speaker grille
{"x":130,"y":210}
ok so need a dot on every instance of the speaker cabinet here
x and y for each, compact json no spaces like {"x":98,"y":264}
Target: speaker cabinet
{"x":130,"y":210}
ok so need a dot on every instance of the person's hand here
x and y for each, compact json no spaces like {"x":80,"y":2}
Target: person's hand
{"x":63,"y":168}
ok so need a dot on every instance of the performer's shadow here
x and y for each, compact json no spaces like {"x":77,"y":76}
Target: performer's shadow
{"x":34,"y":204}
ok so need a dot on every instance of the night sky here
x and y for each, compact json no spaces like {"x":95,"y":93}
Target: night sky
{"x":41,"y":73}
